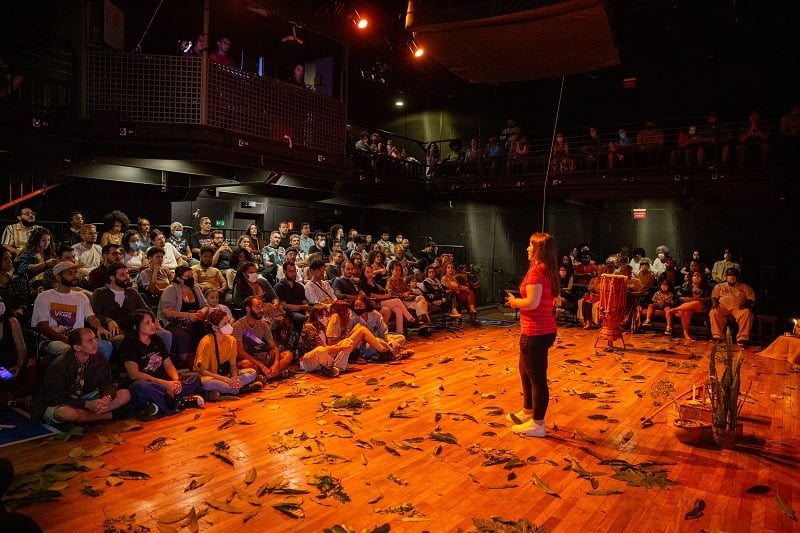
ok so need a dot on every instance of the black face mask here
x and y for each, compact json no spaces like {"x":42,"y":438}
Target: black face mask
{"x":189,"y":282}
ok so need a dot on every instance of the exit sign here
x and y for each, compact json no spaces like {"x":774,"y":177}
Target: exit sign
{"x":219,"y":223}
{"x":639,"y":214}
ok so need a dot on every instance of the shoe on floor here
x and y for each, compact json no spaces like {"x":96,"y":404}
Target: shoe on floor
{"x":647,"y":323}
{"x":150,"y":412}
{"x":454,"y":313}
{"x":212,"y":396}
{"x":385,"y":356}
{"x":521,"y":415}
{"x":251,"y":387}
{"x":331,"y":372}
{"x":194,"y":401}
{"x":668,"y":331}
{"x":530,"y":429}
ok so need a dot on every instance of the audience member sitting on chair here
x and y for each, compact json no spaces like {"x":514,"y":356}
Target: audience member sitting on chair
{"x":694,"y":298}
{"x":732,"y":298}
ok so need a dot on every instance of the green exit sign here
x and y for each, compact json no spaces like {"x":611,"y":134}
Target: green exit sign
{"x":219,"y":223}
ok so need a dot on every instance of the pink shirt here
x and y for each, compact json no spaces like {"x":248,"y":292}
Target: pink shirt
{"x":542,"y":320}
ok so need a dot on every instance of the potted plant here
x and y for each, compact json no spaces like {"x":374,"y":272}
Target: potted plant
{"x":686,"y":431}
{"x":723,"y":395}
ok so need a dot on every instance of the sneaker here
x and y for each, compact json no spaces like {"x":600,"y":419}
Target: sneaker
{"x":647,"y":323}
{"x":331,"y":372}
{"x":212,"y":396}
{"x":668,"y":331}
{"x":195,"y":401}
{"x":384,"y":356}
{"x":150,"y":412}
{"x":405,"y":354}
{"x":454,"y":313}
{"x":530,"y":429}
{"x":251,"y":387}
{"x":521,"y":415}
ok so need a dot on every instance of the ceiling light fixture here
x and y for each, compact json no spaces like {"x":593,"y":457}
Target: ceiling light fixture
{"x":293,"y":36}
{"x":359,"y":21}
{"x":416,"y":50}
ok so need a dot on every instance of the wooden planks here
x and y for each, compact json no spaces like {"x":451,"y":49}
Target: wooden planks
{"x":481,"y":376}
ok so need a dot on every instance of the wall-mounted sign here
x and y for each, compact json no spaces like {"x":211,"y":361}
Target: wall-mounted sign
{"x":639,"y":214}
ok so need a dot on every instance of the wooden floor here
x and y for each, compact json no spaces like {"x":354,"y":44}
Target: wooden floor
{"x":457,"y":383}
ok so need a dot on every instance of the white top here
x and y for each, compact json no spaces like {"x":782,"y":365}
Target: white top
{"x":63,"y":311}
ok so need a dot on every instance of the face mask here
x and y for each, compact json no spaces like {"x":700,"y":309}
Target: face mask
{"x":622,"y":135}
{"x":662,"y":256}
{"x":227,"y":329}
{"x":399,"y":240}
{"x":177,"y":234}
{"x":189,"y":282}
{"x":252,"y":278}
{"x":138,"y":245}
{"x":321,"y":244}
{"x":731,"y":280}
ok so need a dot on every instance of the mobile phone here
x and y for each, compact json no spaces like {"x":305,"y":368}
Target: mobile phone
{"x":5,"y":374}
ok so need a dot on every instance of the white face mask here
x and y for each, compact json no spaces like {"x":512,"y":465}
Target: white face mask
{"x":227,"y":329}
{"x":321,"y":244}
{"x":662,"y":256}
{"x":252,"y":278}
{"x":399,"y":239}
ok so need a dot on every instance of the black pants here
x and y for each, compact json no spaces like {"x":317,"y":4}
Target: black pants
{"x":533,"y":372}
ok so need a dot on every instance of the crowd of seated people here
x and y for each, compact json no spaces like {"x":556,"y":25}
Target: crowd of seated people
{"x":717,"y":293}
{"x":149,"y":323}
{"x":709,"y":144}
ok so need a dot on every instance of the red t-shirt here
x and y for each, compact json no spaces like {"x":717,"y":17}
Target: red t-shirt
{"x":542,"y":320}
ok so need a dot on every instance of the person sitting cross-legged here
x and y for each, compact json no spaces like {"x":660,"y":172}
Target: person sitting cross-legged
{"x":215,"y":360}
{"x":79,"y":386}
{"x":256,"y":348}
{"x":156,"y":386}
{"x":365,"y":314}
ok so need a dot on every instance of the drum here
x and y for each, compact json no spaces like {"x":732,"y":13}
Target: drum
{"x":613,"y":298}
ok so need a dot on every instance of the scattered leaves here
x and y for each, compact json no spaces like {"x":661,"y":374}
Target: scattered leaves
{"x":697,"y":510}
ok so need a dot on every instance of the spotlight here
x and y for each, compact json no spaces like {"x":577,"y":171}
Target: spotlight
{"x":399,"y":102}
{"x":417,"y":50}
{"x":359,"y":21}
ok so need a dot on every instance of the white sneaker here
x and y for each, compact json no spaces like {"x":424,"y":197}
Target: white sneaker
{"x":530,"y":429}
{"x":521,"y":415}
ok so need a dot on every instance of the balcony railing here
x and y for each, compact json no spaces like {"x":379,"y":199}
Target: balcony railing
{"x":168,"y":90}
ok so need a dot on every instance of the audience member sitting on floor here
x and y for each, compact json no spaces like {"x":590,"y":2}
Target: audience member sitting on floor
{"x":292,"y":296}
{"x":182,"y":309}
{"x":720,"y":268}
{"x":59,"y":311}
{"x":694,"y":298}
{"x":663,"y":300}
{"x":156,"y":386}
{"x":256,"y":348}
{"x":732,"y":298}
{"x":365,"y":314}
{"x":78,"y":385}
{"x":216,"y":361}
{"x":464,"y":296}
{"x":16,"y":522}
{"x":14,"y":358}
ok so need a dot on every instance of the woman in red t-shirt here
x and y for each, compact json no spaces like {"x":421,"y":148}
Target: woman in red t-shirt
{"x":537,"y":322}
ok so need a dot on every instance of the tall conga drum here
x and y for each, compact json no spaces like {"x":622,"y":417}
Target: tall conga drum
{"x":613,"y":295}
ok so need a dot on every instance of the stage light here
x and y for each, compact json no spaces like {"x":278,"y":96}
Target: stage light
{"x":399,"y":102}
{"x":359,"y":21}
{"x":417,"y":50}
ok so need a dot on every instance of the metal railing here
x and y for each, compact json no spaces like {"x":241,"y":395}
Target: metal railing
{"x":167,"y":90}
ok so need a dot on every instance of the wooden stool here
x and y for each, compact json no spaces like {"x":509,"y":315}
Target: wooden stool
{"x":772,"y":320}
